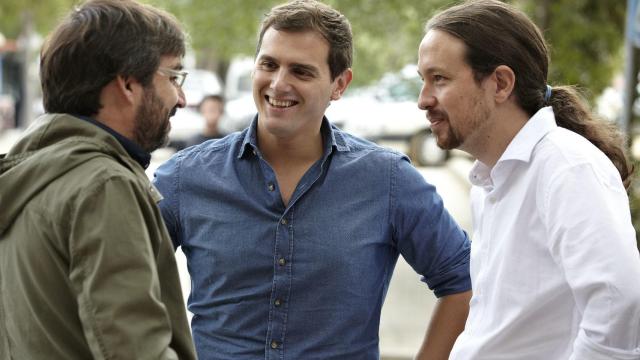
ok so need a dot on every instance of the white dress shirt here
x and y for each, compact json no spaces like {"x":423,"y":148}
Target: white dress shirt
{"x":554,"y":265}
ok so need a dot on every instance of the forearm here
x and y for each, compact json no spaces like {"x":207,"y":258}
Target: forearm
{"x":447,"y":322}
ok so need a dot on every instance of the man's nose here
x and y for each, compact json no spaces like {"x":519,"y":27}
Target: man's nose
{"x":426,"y":99}
{"x":182,"y":100}
{"x":280,"y":81}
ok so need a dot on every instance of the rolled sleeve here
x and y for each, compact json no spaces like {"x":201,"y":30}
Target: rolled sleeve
{"x":427,"y":236}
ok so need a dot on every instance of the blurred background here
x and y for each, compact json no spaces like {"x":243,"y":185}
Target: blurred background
{"x":594,"y":45}
{"x":587,"y":39}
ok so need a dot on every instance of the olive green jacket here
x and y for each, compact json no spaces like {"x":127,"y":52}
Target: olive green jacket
{"x":87,"y":269}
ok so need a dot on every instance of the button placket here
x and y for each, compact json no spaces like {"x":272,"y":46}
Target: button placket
{"x":282,"y":284}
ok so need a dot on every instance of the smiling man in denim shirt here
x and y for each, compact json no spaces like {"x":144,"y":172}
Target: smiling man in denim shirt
{"x":292,"y":228}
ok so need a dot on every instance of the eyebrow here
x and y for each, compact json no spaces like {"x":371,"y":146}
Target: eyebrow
{"x":432,"y":70}
{"x":266,"y":57}
{"x":177,"y":66}
{"x":310,"y":68}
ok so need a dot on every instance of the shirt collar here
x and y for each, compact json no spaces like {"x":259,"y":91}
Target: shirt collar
{"x":520,"y":148}
{"x":332,"y":138}
{"x":522,"y":145}
{"x":134,"y":150}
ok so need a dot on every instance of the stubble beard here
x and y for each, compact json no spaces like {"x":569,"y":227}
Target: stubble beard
{"x":458,"y":137}
{"x":151,"y":130}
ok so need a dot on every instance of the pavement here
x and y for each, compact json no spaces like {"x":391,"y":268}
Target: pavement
{"x":409,"y":303}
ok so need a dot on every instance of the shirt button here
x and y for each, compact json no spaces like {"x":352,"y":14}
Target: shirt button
{"x":271,"y":187}
{"x":281,"y":261}
{"x":274,"y":344}
{"x":283,"y":221}
{"x":277,"y":302}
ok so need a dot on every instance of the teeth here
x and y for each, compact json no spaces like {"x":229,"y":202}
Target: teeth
{"x":281,"y":103}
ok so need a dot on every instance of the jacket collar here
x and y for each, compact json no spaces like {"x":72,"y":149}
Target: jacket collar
{"x":134,"y":150}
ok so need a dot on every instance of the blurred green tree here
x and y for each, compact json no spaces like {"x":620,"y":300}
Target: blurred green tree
{"x":386,"y":34}
{"x":43,"y":14}
{"x":586,"y":36}
{"x":586,"y":39}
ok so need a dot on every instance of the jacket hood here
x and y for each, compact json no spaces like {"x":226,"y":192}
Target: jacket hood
{"x":49,"y":148}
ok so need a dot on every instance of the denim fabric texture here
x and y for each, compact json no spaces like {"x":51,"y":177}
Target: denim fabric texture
{"x":305,"y":281}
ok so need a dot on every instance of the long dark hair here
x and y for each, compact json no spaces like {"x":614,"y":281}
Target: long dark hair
{"x":496,"y":34}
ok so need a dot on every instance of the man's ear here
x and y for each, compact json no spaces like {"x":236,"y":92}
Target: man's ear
{"x":342,"y":82}
{"x":505,"y":80}
{"x":127,"y":87}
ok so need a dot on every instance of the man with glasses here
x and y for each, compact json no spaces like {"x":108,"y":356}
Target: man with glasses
{"x":292,"y":228}
{"x":87,"y":269}
{"x":176,"y":77}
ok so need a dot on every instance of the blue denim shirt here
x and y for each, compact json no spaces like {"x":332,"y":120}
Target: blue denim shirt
{"x":305,"y":281}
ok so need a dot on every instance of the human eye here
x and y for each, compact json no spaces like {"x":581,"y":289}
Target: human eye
{"x":437,"y":78}
{"x":266,"y":64}
{"x":303,"y":73}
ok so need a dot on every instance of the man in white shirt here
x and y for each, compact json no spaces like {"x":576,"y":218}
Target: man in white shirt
{"x":554,"y":266}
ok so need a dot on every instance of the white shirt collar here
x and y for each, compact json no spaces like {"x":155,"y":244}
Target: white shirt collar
{"x":519,"y":149}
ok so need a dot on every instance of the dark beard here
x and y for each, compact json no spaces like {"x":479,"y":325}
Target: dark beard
{"x":151,"y":128}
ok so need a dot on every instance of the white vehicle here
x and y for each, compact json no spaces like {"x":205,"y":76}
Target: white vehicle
{"x":238,"y":81}
{"x":240,"y":107}
{"x":389,"y":111}
{"x":200,"y":83}
{"x":188,"y":122}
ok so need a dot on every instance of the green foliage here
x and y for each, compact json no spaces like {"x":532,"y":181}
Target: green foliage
{"x":44,"y":14}
{"x":586,"y":38}
{"x":220,"y":28}
{"x":585,"y":35}
{"x":386,"y":33}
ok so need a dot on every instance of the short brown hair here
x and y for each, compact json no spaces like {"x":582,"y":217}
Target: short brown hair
{"x":311,"y":15}
{"x":98,"y":41}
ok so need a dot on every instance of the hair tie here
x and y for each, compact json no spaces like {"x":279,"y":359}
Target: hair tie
{"x":547,"y":94}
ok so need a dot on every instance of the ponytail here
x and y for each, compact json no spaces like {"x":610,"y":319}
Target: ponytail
{"x":496,"y":33}
{"x":572,"y":113}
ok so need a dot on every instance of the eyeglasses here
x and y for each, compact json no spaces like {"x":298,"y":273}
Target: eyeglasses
{"x":175,"y":76}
